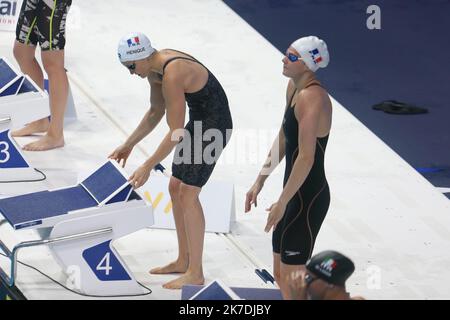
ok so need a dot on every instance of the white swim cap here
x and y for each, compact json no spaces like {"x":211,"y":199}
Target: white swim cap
{"x":134,"y":46}
{"x":313,"y":51}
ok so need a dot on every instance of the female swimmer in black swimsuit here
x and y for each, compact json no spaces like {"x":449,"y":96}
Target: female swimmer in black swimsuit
{"x":301,"y":208}
{"x":176,"y":78}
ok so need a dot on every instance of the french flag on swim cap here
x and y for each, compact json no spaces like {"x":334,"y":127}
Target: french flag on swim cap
{"x":315,"y":55}
{"x":133,"y":42}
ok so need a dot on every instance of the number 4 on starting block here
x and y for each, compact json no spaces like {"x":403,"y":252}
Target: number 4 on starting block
{"x":105,"y":264}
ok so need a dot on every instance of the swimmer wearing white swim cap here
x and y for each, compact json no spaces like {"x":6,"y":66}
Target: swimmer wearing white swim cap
{"x":176,"y":79}
{"x":298,"y":213}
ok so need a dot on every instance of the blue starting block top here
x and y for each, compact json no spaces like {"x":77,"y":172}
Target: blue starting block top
{"x":13,"y":88}
{"x":12,"y":83}
{"x":7,"y":74}
{"x":27,"y":86}
{"x":107,"y":184}
{"x":30,"y":209}
{"x":104,"y":182}
{"x":217,"y":293}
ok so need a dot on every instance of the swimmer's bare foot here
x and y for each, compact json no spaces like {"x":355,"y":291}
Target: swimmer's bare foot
{"x":174,"y":267}
{"x":45,"y":143}
{"x":187,"y":278}
{"x":32,"y":128}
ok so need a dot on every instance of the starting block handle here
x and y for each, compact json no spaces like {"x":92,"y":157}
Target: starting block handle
{"x":160,"y":167}
{"x":5,"y":119}
{"x":13,"y":255}
{"x":268,"y":275}
{"x":260,"y":274}
{"x":265,"y":275}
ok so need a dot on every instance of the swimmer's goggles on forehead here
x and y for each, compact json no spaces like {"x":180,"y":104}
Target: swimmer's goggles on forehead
{"x":292,"y":57}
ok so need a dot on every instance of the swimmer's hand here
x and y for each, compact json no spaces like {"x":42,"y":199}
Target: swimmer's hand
{"x":140,"y":176}
{"x":297,"y":285}
{"x":252,"y":195}
{"x":121,"y":154}
{"x":276,"y":213}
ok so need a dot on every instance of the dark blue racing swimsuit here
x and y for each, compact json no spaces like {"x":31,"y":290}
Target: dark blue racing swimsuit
{"x":295,"y":234}
{"x":208,"y":109}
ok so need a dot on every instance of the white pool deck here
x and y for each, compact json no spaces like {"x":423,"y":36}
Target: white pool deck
{"x":384,"y":215}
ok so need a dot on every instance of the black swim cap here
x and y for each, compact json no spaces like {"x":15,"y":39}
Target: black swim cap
{"x":331,"y":266}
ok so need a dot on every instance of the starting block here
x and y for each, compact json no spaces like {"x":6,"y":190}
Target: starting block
{"x":216,"y":290}
{"x":21,"y":102}
{"x":84,"y":219}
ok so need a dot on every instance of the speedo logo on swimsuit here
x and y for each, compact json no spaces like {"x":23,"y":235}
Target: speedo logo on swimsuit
{"x":315,"y":56}
{"x":132,"y":42}
{"x":327,"y":266}
{"x":136,"y":50}
{"x":292,"y":253}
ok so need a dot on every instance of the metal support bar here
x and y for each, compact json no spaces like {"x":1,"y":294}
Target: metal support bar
{"x":5,"y":119}
{"x":13,"y":255}
{"x":5,"y":249}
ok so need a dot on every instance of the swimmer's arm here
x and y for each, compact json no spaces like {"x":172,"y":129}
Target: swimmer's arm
{"x":307,"y":112}
{"x":173,"y":91}
{"x":278,"y":145}
{"x":276,"y":154}
{"x":151,"y":118}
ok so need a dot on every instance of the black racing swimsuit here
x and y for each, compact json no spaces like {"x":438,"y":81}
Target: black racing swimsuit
{"x":209,"y":113}
{"x":296,"y":233}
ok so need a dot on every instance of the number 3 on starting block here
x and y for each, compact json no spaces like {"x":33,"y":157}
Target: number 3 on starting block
{"x":4,"y":154}
{"x":10,"y":155}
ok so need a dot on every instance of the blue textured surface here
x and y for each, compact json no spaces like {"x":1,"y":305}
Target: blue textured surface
{"x":44,"y":204}
{"x":213,"y":292}
{"x":244,"y":293}
{"x":27,"y":86}
{"x":121,"y":196}
{"x":105,"y":181}
{"x":13,"y":88}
